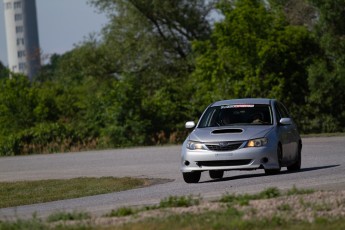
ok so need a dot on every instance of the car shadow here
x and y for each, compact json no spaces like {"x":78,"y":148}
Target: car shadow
{"x":238,"y":177}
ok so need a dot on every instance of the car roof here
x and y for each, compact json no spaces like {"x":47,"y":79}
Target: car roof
{"x":264,"y":101}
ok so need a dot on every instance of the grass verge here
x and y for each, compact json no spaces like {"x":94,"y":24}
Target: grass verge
{"x":269,"y":209}
{"x":243,"y":199}
{"x":31,"y":192}
{"x":67,"y":216}
{"x":169,"y":202}
{"x":229,"y":219}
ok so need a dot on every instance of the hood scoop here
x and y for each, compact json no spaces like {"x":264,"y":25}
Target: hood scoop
{"x":222,"y":131}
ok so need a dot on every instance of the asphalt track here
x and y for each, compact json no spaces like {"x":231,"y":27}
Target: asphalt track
{"x":323,"y":167}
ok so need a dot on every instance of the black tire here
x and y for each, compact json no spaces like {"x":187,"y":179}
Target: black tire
{"x":297,"y":165}
{"x":191,"y":177}
{"x":216,"y":174}
{"x":280,"y":158}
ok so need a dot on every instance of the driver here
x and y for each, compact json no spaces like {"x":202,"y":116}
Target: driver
{"x":225,"y":118}
{"x":257,"y":118}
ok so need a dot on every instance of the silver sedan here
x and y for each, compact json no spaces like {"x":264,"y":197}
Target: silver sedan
{"x":241,"y":134}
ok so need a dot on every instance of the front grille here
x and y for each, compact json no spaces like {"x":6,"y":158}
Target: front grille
{"x":224,"y":146}
{"x":223,"y":163}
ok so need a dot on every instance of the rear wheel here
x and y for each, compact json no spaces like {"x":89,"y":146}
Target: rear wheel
{"x":216,"y":174}
{"x":297,"y":165}
{"x":191,"y":177}
{"x":280,"y":157}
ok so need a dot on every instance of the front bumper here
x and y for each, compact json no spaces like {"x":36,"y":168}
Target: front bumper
{"x":240,"y":159}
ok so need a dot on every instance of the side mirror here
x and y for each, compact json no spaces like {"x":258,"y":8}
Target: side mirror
{"x":286,"y":121}
{"x":190,"y":124}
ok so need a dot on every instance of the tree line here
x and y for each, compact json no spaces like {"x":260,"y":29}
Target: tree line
{"x":157,"y":64}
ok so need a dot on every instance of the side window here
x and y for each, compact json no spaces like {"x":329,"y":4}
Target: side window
{"x":283,"y":109}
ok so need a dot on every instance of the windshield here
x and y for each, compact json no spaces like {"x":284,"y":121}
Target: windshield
{"x":227,"y":115}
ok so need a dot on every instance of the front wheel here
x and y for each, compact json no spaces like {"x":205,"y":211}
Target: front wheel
{"x":297,"y":165}
{"x":191,"y":177}
{"x":280,"y":158}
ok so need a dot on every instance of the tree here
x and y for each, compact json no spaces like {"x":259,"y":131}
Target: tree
{"x":149,"y":43}
{"x":154,"y":37}
{"x":16,"y":104}
{"x":47,"y":71}
{"x":4,"y":72}
{"x":297,"y":12}
{"x":327,"y":74}
{"x":173,"y":23}
{"x":254,"y":52}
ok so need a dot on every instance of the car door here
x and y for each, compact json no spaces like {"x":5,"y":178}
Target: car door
{"x":286,"y":134}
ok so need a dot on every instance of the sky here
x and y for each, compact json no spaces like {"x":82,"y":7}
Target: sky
{"x":61,"y":25}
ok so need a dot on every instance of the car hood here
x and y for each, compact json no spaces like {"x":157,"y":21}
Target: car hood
{"x":233,"y":133}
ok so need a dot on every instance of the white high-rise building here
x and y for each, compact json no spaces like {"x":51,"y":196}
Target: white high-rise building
{"x":22,"y":36}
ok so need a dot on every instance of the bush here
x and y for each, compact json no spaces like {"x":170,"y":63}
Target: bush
{"x":44,"y":138}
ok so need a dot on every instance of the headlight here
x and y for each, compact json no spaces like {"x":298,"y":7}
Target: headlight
{"x":192,"y":145}
{"x":257,"y":142}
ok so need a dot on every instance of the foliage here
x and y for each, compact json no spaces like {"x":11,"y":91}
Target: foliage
{"x":253,"y":52}
{"x":327,"y":74}
{"x":297,"y":12}
{"x":4,"y":72}
{"x":150,"y":42}
{"x":16,"y":104}
{"x":157,"y":64}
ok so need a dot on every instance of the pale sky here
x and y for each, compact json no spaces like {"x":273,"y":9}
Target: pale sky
{"x":61,"y":25}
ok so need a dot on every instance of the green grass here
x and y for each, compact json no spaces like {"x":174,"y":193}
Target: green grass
{"x":34,"y":224}
{"x":31,"y":192}
{"x":228,"y":219}
{"x":285,"y":207}
{"x":243,"y":199}
{"x":297,"y":191}
{"x":175,"y":201}
{"x":169,"y":202}
{"x":123,"y":211}
{"x":230,"y":199}
{"x":38,"y":224}
{"x":66,"y":216}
